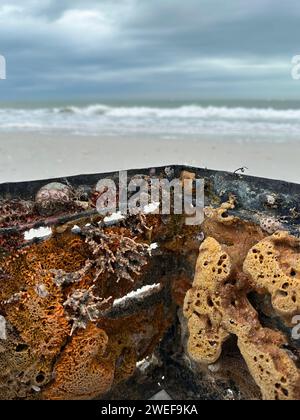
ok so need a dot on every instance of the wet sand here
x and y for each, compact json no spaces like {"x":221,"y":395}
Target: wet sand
{"x":29,"y":156}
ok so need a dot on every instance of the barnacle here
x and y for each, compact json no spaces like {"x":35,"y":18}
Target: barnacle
{"x":52,"y":198}
{"x":270,"y":224}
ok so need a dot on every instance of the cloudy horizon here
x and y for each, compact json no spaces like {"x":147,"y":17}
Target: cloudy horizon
{"x":167,"y":49}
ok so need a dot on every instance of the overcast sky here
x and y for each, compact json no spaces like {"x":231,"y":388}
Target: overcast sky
{"x":165,"y":49}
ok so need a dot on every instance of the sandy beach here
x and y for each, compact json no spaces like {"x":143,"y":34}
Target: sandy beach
{"x":29,"y":156}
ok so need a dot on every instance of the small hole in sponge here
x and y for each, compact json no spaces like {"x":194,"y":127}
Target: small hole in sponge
{"x":210,"y":302}
{"x":209,"y":324}
{"x":285,"y":392}
{"x":279,"y":387}
{"x":282,"y":294}
{"x":21,"y":348}
{"x":40,"y":378}
{"x":293,"y":273}
{"x":222,"y":259}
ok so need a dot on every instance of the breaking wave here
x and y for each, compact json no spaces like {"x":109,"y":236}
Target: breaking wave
{"x":182,"y":120}
{"x":188,"y":111}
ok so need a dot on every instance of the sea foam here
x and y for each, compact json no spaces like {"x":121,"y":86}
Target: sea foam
{"x":182,"y":120}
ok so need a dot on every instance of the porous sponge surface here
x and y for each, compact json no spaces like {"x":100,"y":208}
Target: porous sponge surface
{"x":273,"y":266}
{"x":80,"y":371}
{"x":46,"y":354}
{"x":217,"y":307}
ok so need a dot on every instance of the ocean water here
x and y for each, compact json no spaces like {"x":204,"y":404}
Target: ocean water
{"x":274,"y":121}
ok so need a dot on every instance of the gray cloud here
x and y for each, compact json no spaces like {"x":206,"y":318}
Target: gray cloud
{"x":158,"y":48}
